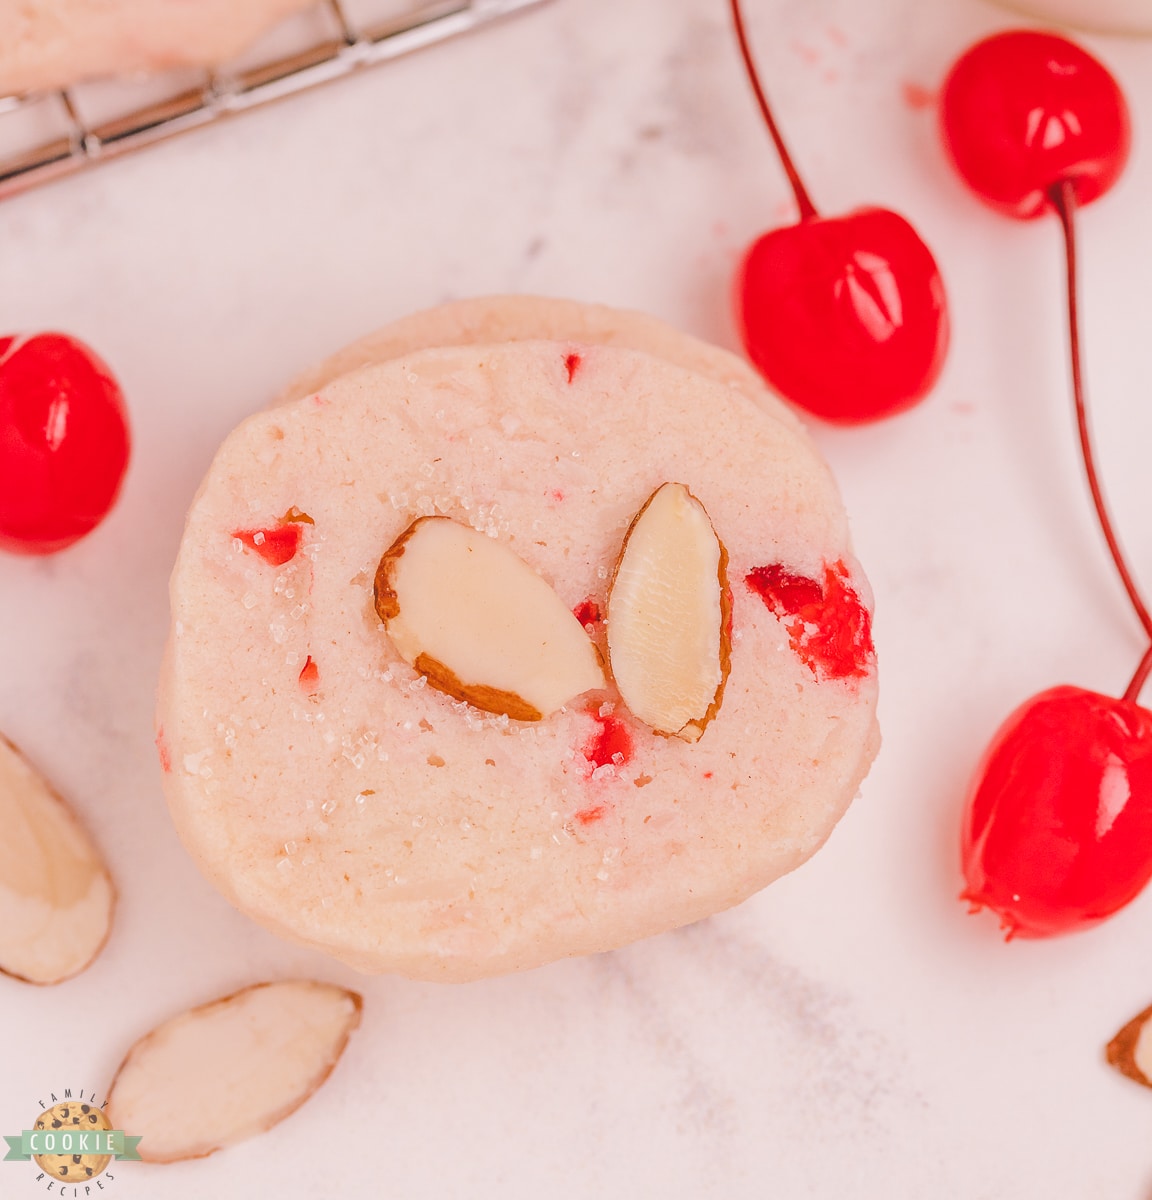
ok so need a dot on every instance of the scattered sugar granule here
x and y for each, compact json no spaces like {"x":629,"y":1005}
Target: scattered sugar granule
{"x":194,"y":762}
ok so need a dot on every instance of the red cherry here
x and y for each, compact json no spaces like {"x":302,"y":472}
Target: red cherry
{"x":1058,"y":831}
{"x":1024,"y":111}
{"x":64,"y":442}
{"x":1058,"y":828}
{"x":845,"y":316}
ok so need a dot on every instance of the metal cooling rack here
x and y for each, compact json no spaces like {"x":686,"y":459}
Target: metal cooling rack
{"x":62,"y":135}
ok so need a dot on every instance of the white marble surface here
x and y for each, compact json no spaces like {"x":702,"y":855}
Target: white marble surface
{"x":847,"y":1033}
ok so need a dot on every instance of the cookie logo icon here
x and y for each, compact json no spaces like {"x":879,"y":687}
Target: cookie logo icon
{"x":72,"y":1118}
{"x":72,"y":1144}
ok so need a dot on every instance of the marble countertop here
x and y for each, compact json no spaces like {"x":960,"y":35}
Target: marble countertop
{"x":849,"y":1031}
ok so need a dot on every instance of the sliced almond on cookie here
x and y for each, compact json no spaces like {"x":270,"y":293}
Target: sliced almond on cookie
{"x":231,"y":1069}
{"x":1130,"y":1051}
{"x":473,"y":616}
{"x":56,"y":897}
{"x":668,"y":611}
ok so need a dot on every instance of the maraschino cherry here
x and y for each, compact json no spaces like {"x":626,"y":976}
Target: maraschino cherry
{"x":64,"y":442}
{"x":845,"y":316}
{"x":1023,"y":112}
{"x":1058,"y":827}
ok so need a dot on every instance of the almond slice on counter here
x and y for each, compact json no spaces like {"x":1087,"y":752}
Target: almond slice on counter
{"x":668,"y":611}
{"x":231,"y":1069}
{"x":56,"y":897}
{"x":472,"y":616}
{"x":1130,"y":1051}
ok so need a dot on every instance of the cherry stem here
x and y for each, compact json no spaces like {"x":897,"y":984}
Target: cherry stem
{"x":1063,"y":197}
{"x":1132,"y":692}
{"x":803,"y":200}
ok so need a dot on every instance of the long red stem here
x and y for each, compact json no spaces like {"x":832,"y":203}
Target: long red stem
{"x":803,"y":200}
{"x":1132,"y":692}
{"x":1063,"y":197}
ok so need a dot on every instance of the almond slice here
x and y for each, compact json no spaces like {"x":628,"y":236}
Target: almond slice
{"x":473,"y":616}
{"x":668,"y":610}
{"x":56,"y":897}
{"x":228,"y":1070}
{"x":1130,"y":1051}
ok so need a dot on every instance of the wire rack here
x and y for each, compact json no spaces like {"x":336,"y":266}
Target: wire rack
{"x":59,"y":134}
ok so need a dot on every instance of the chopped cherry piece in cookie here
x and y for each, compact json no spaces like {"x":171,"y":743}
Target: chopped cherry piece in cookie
{"x":611,"y":744}
{"x":828,"y":626}
{"x":164,"y":753}
{"x":275,"y":546}
{"x":310,"y":676}
{"x":587,"y":612}
{"x":64,"y":442}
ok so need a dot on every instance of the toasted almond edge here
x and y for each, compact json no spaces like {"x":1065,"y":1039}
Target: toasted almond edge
{"x":384,"y":597}
{"x":1121,"y":1050}
{"x":725,"y":642}
{"x":351,"y":1025}
{"x":479,"y":695}
{"x":113,"y":892}
{"x":692,"y":731}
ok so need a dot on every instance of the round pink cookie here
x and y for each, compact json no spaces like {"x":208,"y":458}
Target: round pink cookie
{"x":489,"y":319}
{"x":49,"y":44}
{"x":333,"y":795}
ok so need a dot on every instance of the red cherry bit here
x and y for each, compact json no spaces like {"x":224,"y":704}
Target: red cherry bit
{"x":276,"y":546}
{"x":1057,"y":832}
{"x":610,"y":744}
{"x":64,"y":442}
{"x":587,"y":612}
{"x":844,"y":316}
{"x":829,"y":628}
{"x":309,"y":677}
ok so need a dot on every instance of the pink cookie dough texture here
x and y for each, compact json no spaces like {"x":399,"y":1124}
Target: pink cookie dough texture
{"x":53,"y":43}
{"x":335,"y":797}
{"x":491,"y":319}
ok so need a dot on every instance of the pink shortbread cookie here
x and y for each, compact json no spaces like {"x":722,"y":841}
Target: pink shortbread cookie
{"x":486,"y":320}
{"x":334,"y":796}
{"x":50,"y":44}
